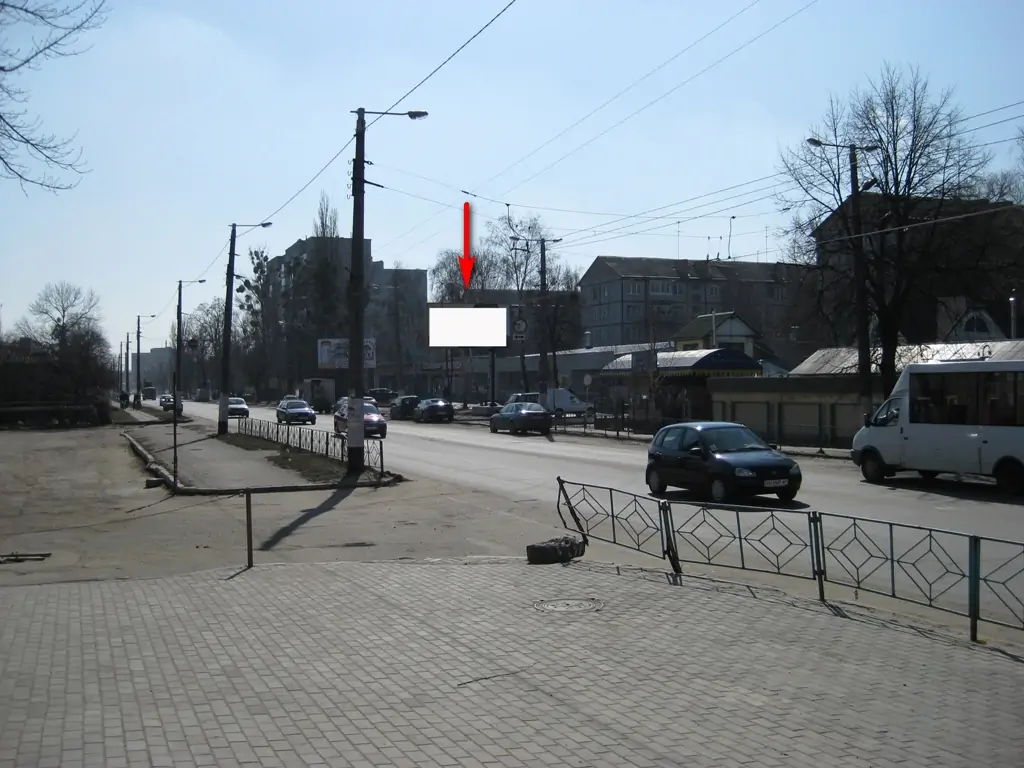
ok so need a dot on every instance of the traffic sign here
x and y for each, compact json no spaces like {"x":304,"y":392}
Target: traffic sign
{"x":519,"y":326}
{"x":518,"y":337}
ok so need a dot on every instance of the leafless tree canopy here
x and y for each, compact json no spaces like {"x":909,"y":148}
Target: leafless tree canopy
{"x":60,"y":311}
{"x":49,"y":29}
{"x":916,"y":166}
{"x":446,"y":284}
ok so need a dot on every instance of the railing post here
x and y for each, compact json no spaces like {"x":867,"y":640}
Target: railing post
{"x":611,"y":513}
{"x":668,"y":534}
{"x":818,"y":553}
{"x":974,"y":584}
{"x":248,"y":529}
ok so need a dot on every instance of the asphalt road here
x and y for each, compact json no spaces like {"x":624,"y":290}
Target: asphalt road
{"x":525,"y":468}
{"x":522,"y":471}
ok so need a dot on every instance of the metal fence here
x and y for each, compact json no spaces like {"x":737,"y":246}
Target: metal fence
{"x":972,"y":576}
{"x":320,"y":441}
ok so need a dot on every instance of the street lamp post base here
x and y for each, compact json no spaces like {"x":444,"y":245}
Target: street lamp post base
{"x":356,"y":460}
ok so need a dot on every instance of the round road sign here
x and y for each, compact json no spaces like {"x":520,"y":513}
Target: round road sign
{"x":588,"y":380}
{"x":519,"y":326}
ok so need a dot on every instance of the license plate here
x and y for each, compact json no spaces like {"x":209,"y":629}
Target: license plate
{"x":776,"y":483}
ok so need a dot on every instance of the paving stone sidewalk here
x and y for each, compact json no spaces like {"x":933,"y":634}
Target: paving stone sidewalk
{"x":451,"y":664}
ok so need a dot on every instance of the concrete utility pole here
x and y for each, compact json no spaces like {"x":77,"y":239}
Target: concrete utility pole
{"x":127,"y":362}
{"x":225,"y":342}
{"x":543,"y":370}
{"x":356,"y":457}
{"x":860,"y":275}
{"x":357,"y":276}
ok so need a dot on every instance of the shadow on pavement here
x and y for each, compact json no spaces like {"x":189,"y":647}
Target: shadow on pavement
{"x":968,"y":489}
{"x":304,"y":517}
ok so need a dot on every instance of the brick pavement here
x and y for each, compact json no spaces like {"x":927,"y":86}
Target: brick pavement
{"x":366,"y":664}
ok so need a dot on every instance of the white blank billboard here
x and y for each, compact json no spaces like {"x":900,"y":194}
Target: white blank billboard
{"x":468,"y":326}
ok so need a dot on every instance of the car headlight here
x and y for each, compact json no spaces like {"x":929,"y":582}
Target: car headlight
{"x":795,"y":469}
{"x":741,"y":472}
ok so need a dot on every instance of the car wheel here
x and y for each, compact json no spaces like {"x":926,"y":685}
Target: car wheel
{"x":493,"y":428}
{"x":872,"y":468}
{"x":928,"y":474}
{"x":655,"y":482}
{"x":787,"y":495}
{"x":718,"y":490}
{"x":451,"y":419}
{"x":312,"y":421}
{"x":546,"y":431}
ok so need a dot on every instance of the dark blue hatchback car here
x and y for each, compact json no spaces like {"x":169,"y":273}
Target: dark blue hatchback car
{"x":720,"y":460}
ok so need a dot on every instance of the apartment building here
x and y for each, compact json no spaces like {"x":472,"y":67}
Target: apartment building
{"x":641,"y":300}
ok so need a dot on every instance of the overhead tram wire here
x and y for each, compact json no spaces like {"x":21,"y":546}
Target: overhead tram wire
{"x":586,"y":117}
{"x":406,"y":95}
{"x":665,"y":95}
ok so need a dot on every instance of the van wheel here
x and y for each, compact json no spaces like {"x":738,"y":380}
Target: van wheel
{"x":872,"y":468}
{"x":1010,"y":477}
{"x":559,"y":414}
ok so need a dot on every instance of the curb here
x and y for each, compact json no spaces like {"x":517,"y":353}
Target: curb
{"x":153,"y":466}
{"x":812,"y":453}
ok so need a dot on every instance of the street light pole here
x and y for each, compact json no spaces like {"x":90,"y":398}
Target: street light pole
{"x":225,"y":343}
{"x":138,"y":352}
{"x":128,"y":362}
{"x":356,"y":459}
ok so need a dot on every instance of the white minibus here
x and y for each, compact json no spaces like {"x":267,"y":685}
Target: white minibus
{"x":963,"y":418}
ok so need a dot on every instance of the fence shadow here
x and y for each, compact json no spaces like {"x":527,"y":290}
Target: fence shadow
{"x":973,"y":576}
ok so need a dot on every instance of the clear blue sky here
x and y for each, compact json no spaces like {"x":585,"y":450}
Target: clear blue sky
{"x":194,"y":114}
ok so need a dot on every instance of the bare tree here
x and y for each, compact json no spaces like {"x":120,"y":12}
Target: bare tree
{"x":921,"y":171}
{"x":58,"y":312}
{"x":258,"y":328}
{"x":48,"y":29}
{"x":324,"y":281}
{"x":447,"y":285}
{"x":65,"y":319}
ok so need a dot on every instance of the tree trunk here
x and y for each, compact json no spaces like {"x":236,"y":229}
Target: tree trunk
{"x":522,"y":366}
{"x":889,"y":336}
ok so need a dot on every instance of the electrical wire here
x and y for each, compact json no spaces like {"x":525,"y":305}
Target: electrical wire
{"x":338,"y":154}
{"x":665,"y":95}
{"x":578,"y":122}
{"x":621,"y":93}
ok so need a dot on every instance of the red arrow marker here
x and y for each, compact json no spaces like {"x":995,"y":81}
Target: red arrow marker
{"x":467,"y":260}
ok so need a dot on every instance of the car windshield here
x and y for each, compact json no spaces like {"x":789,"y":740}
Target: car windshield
{"x":370,"y":409}
{"x":531,"y":407}
{"x":296,"y":405}
{"x":236,"y":401}
{"x":733,"y":440}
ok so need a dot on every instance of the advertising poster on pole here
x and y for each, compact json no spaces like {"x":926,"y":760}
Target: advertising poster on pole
{"x":332,"y":354}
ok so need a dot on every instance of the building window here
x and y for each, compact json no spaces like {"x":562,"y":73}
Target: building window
{"x":633,"y":311}
{"x":595,"y":293}
{"x":714,"y":291}
{"x":777,"y":292}
{"x":595,"y":314}
{"x":975,"y":324}
{"x":604,"y":291}
{"x":661,"y":287}
{"x":604,"y":313}
{"x":635,"y":333}
{"x":634,"y":288}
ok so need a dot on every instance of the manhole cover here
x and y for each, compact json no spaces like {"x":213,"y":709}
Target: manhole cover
{"x":569,"y":606}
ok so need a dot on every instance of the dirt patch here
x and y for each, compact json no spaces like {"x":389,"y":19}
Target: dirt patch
{"x":311,"y":466}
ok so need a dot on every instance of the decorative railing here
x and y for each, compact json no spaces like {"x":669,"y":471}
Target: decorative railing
{"x":973,"y":576}
{"x":320,"y":441}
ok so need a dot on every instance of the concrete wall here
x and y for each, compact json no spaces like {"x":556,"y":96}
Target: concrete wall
{"x":821,"y":411}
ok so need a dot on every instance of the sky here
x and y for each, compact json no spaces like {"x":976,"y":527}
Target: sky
{"x":193,"y":115}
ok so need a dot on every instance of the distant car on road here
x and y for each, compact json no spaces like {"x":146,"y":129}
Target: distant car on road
{"x":374,"y":423}
{"x":238,"y":407}
{"x":403,"y":407}
{"x":434,"y":409}
{"x":295,"y":412}
{"x":721,"y":460}
{"x":522,"y":418}
{"x":167,"y":403}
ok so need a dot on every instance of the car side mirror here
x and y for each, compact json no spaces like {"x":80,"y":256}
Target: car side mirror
{"x":696,"y":451}
{"x":867,"y":419}
{"x":773,"y":446}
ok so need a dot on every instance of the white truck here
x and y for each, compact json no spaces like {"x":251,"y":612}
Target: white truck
{"x":962,"y":418}
{"x":319,"y":394}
